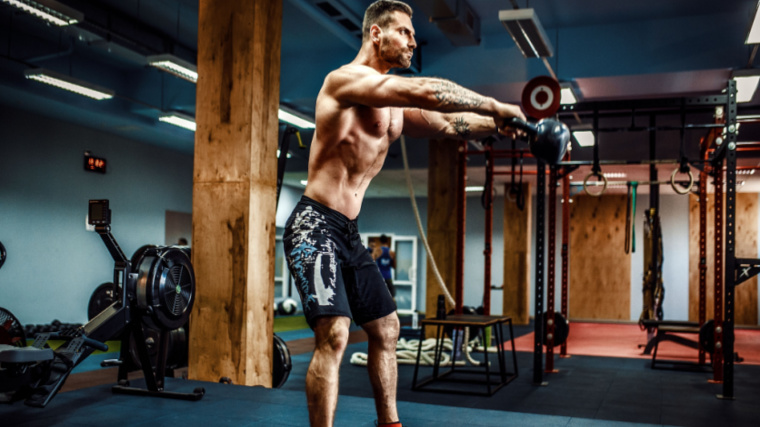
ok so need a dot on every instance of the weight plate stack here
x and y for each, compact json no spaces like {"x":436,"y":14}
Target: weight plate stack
{"x":280,"y":363}
{"x":707,"y":336}
{"x":165,"y":287}
{"x":561,"y":328}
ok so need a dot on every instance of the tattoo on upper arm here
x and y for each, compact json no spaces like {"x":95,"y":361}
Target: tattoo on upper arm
{"x":449,"y":93}
{"x":461,"y":127}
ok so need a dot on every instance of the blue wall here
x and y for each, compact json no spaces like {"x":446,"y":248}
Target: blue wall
{"x":53,"y":263}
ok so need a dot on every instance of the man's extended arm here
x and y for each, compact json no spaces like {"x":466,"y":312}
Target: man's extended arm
{"x":420,"y":123}
{"x":359,"y":85}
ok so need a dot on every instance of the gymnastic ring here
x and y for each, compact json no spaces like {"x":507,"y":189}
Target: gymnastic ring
{"x":510,"y":198}
{"x":687,"y":190}
{"x":604,"y":186}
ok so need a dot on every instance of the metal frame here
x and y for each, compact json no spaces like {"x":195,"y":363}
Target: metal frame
{"x":725,"y":153}
{"x":502,"y":377}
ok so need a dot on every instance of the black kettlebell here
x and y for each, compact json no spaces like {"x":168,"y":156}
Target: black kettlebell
{"x":548,"y":138}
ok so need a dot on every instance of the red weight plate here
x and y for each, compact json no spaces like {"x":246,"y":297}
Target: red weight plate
{"x":540,"y":97}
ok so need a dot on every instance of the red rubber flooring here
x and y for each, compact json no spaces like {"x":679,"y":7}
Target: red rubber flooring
{"x":623,"y":340}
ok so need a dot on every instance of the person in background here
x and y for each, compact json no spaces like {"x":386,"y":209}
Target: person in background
{"x":386,"y":260}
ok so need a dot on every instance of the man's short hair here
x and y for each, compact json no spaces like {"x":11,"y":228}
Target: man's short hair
{"x":381,"y":13}
{"x":384,"y":239}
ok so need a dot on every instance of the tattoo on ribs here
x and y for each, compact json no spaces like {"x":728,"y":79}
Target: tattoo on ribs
{"x":449,"y":93}
{"x":462,"y":127}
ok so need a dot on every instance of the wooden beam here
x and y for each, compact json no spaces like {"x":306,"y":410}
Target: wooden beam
{"x":234,"y":190}
{"x":441,"y":220}
{"x":517,"y":250}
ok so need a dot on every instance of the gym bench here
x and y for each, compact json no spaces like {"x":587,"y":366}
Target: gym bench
{"x":666,"y":331}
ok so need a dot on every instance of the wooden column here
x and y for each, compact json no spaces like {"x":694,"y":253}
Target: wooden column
{"x":234,"y":190}
{"x":441,"y":220}
{"x":517,"y":238}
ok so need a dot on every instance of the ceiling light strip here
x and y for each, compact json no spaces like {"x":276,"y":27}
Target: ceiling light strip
{"x":526,"y":30}
{"x":746,"y":87}
{"x":585,"y":138}
{"x":69,"y":83}
{"x":294,"y":118}
{"x":178,"y":119}
{"x":49,"y":10}
{"x":174,"y":65}
{"x":753,"y":35}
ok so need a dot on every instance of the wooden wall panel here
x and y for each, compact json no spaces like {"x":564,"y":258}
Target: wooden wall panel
{"x":600,"y":270}
{"x":746,"y":247}
{"x":517,"y":252}
{"x":694,"y":260}
{"x":745,"y":305}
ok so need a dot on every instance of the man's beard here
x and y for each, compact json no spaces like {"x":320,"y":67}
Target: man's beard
{"x":397,"y":57}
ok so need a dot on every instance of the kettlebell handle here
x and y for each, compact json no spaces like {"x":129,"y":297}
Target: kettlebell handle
{"x":514,"y":122}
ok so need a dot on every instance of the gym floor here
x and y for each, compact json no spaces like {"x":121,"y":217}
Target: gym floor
{"x":587,"y":391}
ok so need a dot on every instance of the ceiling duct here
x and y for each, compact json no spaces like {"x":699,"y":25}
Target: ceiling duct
{"x":342,"y":15}
{"x":456,"y":19}
{"x":335,"y":17}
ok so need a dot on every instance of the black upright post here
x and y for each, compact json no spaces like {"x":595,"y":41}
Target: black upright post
{"x":539,"y":296}
{"x":654,"y":211}
{"x":729,"y":279}
{"x":654,"y":188}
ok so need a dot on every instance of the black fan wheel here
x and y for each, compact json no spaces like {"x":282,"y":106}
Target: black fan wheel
{"x":165,"y":287}
{"x":11,"y":330}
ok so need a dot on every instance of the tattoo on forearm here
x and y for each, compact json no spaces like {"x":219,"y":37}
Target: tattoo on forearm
{"x":461,"y":127}
{"x":449,"y":93}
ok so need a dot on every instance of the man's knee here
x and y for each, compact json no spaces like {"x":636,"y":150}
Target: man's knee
{"x":331,"y":334}
{"x":384,"y":330}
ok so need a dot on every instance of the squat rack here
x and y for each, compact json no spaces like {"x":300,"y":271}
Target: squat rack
{"x":490,"y":154}
{"x":736,"y":270}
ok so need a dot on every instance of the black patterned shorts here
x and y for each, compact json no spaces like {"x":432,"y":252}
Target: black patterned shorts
{"x":335,"y":274}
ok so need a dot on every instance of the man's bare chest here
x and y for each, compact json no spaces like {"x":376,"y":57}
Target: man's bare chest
{"x":381,"y":123}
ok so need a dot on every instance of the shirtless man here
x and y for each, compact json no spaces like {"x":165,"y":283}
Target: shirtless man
{"x":360,"y":111}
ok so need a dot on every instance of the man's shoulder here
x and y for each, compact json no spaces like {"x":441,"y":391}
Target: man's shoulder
{"x":352,"y":71}
{"x":345,"y":77}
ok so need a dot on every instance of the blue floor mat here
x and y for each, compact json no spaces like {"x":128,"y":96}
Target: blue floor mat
{"x":251,"y":406}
